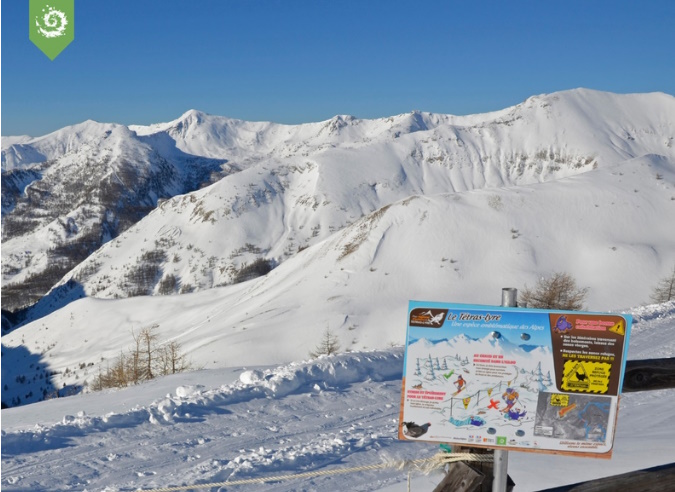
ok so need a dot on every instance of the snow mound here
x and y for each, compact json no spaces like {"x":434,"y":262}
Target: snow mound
{"x":250,"y":377}
{"x":190,"y":402}
{"x":188,"y":391}
{"x":665,"y":310}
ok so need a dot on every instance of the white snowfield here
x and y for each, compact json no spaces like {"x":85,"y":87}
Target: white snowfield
{"x":325,"y":414}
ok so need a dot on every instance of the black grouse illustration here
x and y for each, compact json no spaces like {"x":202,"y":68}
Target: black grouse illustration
{"x":414,"y":430}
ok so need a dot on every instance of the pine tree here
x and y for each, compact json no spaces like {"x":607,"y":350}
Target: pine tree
{"x":329,"y":344}
{"x":430,"y":375}
{"x":541,"y":384}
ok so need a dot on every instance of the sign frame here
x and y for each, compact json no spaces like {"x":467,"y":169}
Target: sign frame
{"x":518,"y":379}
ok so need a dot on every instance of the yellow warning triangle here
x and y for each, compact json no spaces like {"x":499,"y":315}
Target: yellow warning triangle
{"x":490,"y":391}
{"x":618,"y":328}
{"x":466,"y":402}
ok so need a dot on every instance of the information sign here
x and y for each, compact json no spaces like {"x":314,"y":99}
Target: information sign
{"x":514,"y":378}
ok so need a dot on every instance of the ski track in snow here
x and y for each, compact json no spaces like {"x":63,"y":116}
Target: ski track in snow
{"x":296,"y":418}
{"x":330,"y":413}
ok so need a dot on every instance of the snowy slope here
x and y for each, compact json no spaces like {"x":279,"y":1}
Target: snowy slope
{"x":322,"y":415}
{"x":313,"y":180}
{"x":605,"y":227}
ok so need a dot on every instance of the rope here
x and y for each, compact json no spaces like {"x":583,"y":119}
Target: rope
{"x":425,"y":466}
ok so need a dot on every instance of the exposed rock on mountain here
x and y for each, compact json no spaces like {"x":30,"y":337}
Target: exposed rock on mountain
{"x":118,"y":212}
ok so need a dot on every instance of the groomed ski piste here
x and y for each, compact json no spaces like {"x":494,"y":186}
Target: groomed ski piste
{"x":325,"y":414}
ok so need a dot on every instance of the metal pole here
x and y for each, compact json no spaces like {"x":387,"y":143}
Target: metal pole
{"x":509,"y":297}
{"x":501,"y":456}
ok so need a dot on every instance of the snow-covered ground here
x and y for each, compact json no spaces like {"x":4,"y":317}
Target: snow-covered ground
{"x":326,"y":414}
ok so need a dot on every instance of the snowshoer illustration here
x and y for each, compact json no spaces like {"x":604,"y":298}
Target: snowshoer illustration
{"x":510,"y":396}
{"x":414,"y":430}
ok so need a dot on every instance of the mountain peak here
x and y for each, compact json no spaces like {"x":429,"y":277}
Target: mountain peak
{"x":193,"y":113}
{"x":191,"y":117}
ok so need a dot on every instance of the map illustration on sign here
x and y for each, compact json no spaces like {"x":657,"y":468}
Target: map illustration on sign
{"x":523,"y":379}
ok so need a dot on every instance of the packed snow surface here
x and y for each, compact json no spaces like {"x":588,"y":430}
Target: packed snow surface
{"x":323,"y":414}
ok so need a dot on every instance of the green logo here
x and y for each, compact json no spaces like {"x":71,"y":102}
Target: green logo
{"x":501,"y":440}
{"x":51,"y":25}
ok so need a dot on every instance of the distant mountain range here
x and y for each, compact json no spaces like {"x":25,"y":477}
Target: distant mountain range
{"x":71,"y":199}
{"x":246,"y":239}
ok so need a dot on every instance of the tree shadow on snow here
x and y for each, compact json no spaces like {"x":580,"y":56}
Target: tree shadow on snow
{"x":26,"y":377}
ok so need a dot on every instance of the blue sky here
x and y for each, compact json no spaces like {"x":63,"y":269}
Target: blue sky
{"x":293,"y":61}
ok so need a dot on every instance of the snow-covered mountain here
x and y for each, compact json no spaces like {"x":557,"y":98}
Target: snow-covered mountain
{"x":285,"y":187}
{"x":355,"y":218}
{"x":66,"y":194}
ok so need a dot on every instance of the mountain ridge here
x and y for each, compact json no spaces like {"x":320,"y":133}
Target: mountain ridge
{"x":351,"y":232}
{"x":376,"y":161}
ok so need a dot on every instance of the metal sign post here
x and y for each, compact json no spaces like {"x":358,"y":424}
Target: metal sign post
{"x":501,"y":456}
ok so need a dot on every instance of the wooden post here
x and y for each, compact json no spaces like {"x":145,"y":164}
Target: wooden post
{"x":460,"y":477}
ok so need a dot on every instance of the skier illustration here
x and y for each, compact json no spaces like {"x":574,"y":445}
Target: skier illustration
{"x":510,"y":396}
{"x":460,"y":383}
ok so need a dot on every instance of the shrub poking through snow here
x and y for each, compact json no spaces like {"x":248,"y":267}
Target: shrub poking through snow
{"x":145,"y":360}
{"x":559,"y":291}
{"x":665,"y":289}
{"x":329,"y":344}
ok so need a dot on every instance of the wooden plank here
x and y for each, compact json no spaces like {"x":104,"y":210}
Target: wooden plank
{"x":485,"y":468}
{"x":656,"y":479}
{"x":460,"y":477}
{"x":649,"y":374}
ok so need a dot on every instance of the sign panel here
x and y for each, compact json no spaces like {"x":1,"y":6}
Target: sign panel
{"x":521,"y":379}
